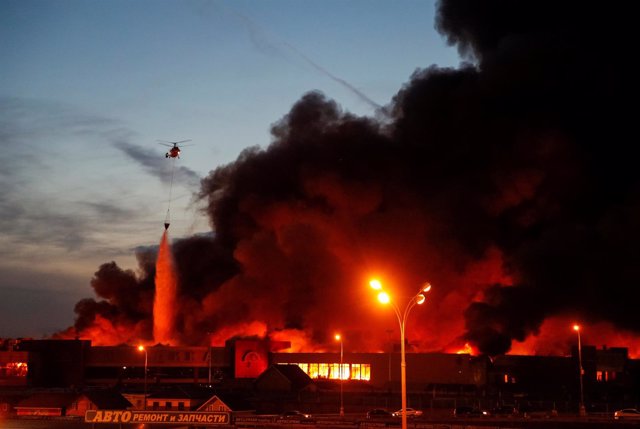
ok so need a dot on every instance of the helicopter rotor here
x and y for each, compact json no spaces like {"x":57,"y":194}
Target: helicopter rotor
{"x":173,"y":144}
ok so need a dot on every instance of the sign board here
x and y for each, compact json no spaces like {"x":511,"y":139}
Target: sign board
{"x":252,"y":421}
{"x":251,"y":358}
{"x":156,"y":417}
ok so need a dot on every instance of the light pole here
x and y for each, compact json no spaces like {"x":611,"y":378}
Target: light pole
{"x":418,"y":299}
{"x":143,"y":349}
{"x":582,"y":411}
{"x":339,"y":338}
{"x":389,"y":332}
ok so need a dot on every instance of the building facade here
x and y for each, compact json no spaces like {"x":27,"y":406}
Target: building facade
{"x":609,"y":374}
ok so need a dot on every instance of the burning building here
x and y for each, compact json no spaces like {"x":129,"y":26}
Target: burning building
{"x":507,"y":182}
{"x":246,"y":365}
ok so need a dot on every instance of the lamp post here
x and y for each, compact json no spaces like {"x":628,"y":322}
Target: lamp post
{"x":143,"y":349}
{"x":389,"y":332}
{"x":582,"y":411}
{"x":339,"y":338}
{"x":418,"y":299}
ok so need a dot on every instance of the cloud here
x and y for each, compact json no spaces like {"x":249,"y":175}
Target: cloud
{"x":31,"y":299}
{"x":39,"y":138}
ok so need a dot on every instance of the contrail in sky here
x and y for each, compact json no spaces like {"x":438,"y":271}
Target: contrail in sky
{"x":341,"y":81}
{"x":260,"y":38}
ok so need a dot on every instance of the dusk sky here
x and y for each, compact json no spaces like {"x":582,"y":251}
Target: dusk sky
{"x":87,"y":88}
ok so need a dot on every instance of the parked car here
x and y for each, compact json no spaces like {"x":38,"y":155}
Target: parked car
{"x":627,"y":414}
{"x":411,"y":412}
{"x":536,"y":412}
{"x":379,"y":413}
{"x":295,"y":415}
{"x":504,"y":411}
{"x":465,"y":411}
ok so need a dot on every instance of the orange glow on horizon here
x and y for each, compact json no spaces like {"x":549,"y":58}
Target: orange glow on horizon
{"x":554,"y":339}
{"x":466,"y":349}
{"x":104,"y":332}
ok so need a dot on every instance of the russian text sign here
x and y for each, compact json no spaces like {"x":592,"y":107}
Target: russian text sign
{"x":156,"y":417}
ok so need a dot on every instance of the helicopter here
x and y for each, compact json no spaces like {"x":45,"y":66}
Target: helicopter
{"x":174,"y":152}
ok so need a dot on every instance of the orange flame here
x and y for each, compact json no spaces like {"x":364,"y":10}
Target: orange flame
{"x":250,"y":329}
{"x":104,"y":332}
{"x":466,"y":349}
{"x":557,"y":335}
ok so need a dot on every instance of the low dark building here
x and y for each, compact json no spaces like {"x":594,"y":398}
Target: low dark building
{"x":228,"y":403}
{"x":178,"y":398}
{"x":257,"y":367}
{"x":70,"y":403}
{"x":55,"y":363}
{"x":283,"y":378}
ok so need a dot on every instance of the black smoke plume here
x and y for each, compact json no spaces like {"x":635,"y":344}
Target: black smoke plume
{"x":509,"y":183}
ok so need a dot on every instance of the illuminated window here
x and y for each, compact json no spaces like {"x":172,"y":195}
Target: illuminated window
{"x":346,"y":373}
{"x":361,"y":371}
{"x":605,"y":376}
{"x":365,"y":372}
{"x":323,"y":370}
{"x":509,"y":379}
{"x":13,"y":369}
{"x":354,"y":371}
{"x":334,"y":371}
{"x":313,"y":370}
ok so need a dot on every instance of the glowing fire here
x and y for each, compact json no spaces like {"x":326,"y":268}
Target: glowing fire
{"x":249,"y":329}
{"x":466,"y":349}
{"x":105,"y":332}
{"x":557,"y":335}
{"x":332,"y":371}
{"x":300,"y":341}
{"x":14,"y":369}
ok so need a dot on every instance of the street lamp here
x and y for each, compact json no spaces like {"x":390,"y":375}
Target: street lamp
{"x":418,"y":299}
{"x":339,"y":338}
{"x":143,"y":349}
{"x":582,"y":411}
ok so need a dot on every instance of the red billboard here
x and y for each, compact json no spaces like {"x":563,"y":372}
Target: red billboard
{"x":251,"y":358}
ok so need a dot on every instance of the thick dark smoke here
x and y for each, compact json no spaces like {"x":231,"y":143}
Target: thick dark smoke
{"x":555,"y":85}
{"x":508,"y":183}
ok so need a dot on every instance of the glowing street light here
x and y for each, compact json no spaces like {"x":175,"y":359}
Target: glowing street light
{"x":417,"y":299}
{"x":141,"y":348}
{"x":582,"y":411}
{"x":339,"y":338}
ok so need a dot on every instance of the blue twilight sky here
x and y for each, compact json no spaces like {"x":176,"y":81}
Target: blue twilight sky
{"x":88,"y":87}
